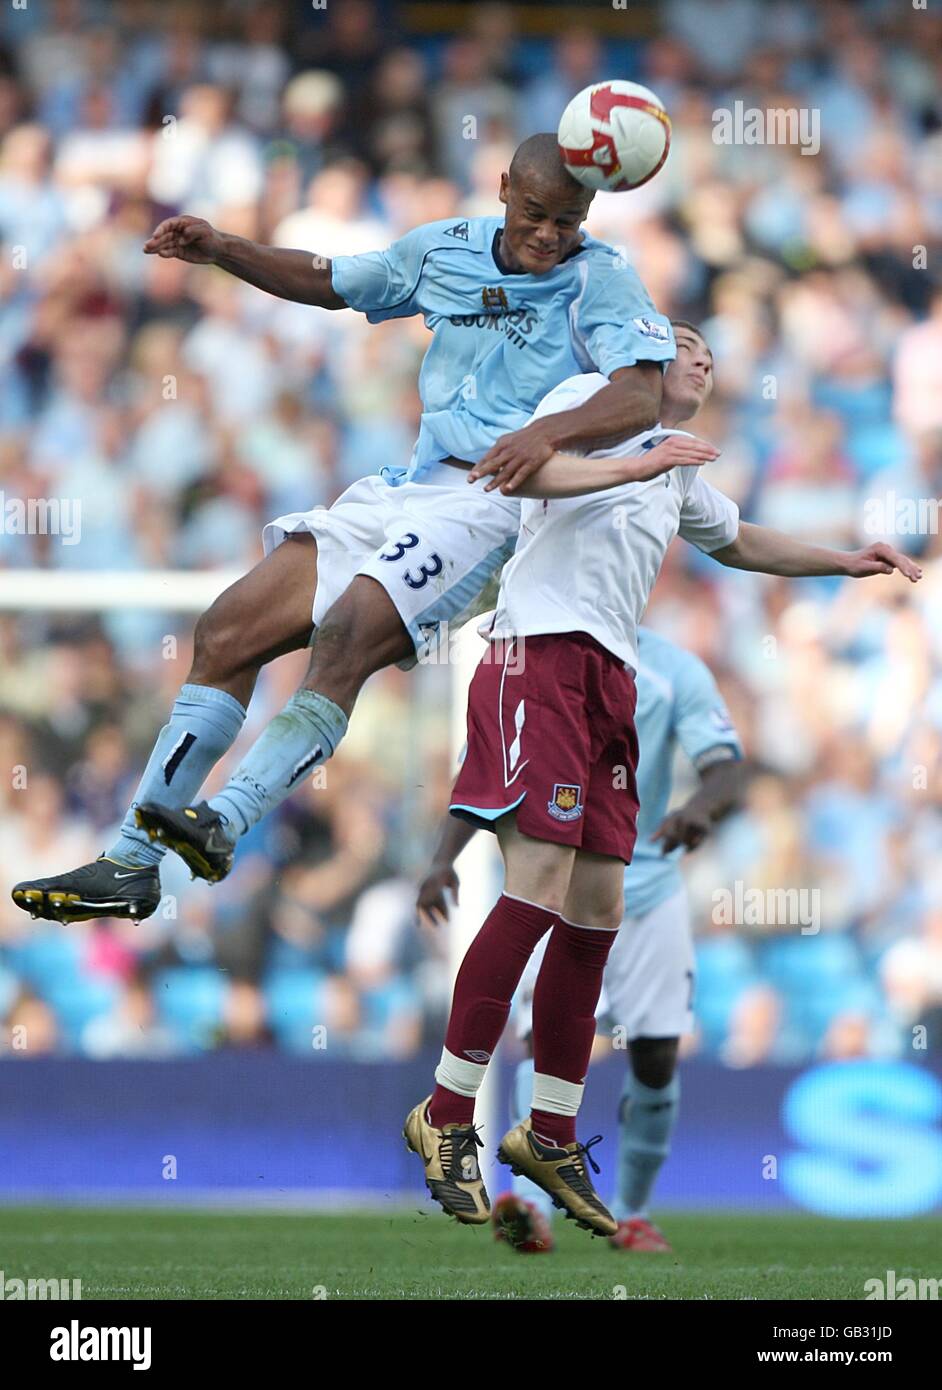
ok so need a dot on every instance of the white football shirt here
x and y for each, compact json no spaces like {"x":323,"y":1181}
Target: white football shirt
{"x":588,"y":564}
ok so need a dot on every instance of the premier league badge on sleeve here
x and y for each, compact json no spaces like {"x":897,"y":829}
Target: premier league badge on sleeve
{"x":721,"y":720}
{"x":566,"y":803}
{"x":659,"y":331}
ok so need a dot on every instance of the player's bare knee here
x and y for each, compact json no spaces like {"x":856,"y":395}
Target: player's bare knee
{"x":603,"y":915}
{"x":213,"y":648}
{"x":548,"y":898}
{"x":360,"y":634}
{"x":609,"y":919}
{"x":547,"y":890}
{"x":338,"y":658}
{"x":335,"y":634}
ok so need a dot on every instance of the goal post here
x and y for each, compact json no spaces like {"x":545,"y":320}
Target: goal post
{"x":98,"y":591}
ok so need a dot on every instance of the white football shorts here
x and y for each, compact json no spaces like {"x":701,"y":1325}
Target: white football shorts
{"x":647,"y":990}
{"x":433,"y":546}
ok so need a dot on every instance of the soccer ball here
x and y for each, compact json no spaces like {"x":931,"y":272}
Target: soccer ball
{"x":614,"y":136}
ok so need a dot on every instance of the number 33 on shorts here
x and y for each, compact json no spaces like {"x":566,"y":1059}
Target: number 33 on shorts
{"x":428,"y":570}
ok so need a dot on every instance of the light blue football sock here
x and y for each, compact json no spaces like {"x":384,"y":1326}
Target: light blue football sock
{"x":646,"y":1120}
{"x":304,"y":735}
{"x":521,"y":1096}
{"x":204,"y":724}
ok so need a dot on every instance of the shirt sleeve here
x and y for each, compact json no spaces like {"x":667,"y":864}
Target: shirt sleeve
{"x":568,"y":394}
{"x":383,"y":284}
{"x":616,"y":323}
{"x":702,"y":723}
{"x":708,"y":519}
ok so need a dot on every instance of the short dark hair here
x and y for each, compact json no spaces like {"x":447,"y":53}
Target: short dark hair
{"x":539,"y":157}
{"x":685,"y":323}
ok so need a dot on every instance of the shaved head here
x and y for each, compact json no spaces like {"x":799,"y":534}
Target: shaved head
{"x":545,"y":206}
{"x":538,"y":162}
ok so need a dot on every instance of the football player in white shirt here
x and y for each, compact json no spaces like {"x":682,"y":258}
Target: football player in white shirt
{"x":648,"y":989}
{"x":550,"y":766}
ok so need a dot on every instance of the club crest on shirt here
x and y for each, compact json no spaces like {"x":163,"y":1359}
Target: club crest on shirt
{"x":566,"y":801}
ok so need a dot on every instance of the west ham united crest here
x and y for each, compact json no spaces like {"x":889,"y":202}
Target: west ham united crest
{"x":566,"y":803}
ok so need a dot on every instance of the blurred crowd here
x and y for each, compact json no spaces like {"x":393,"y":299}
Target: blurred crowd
{"x":185,"y":409}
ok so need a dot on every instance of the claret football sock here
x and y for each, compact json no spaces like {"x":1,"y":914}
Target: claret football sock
{"x":304,"y":735}
{"x":484,"y":987}
{"x":520,"y":1097}
{"x":646,"y":1121}
{"x":564,"y":999}
{"x":204,"y":724}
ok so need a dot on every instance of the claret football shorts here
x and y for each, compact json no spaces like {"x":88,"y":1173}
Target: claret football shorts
{"x":551,"y":735}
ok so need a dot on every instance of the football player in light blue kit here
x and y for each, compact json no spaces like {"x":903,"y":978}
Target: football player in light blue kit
{"x":515,"y":306}
{"x":649,"y":978}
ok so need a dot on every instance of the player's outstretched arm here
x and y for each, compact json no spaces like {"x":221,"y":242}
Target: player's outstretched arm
{"x":432,"y":902}
{"x":295,"y":275}
{"x":567,"y":475}
{"x":766,"y":551}
{"x":629,"y":404}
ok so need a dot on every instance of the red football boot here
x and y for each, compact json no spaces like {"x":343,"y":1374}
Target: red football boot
{"x":522,"y":1225}
{"x":640,"y":1234}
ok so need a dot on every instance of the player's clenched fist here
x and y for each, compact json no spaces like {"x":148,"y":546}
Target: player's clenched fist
{"x":184,"y":238}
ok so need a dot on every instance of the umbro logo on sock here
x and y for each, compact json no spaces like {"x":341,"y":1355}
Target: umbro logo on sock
{"x":476,"y":1055}
{"x":305,"y":763}
{"x":176,"y":755}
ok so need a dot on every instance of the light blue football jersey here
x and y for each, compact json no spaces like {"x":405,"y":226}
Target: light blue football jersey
{"x":678,"y":704}
{"x":501,"y":340}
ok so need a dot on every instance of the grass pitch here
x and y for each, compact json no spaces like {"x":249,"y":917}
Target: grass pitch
{"x":145,"y":1253}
